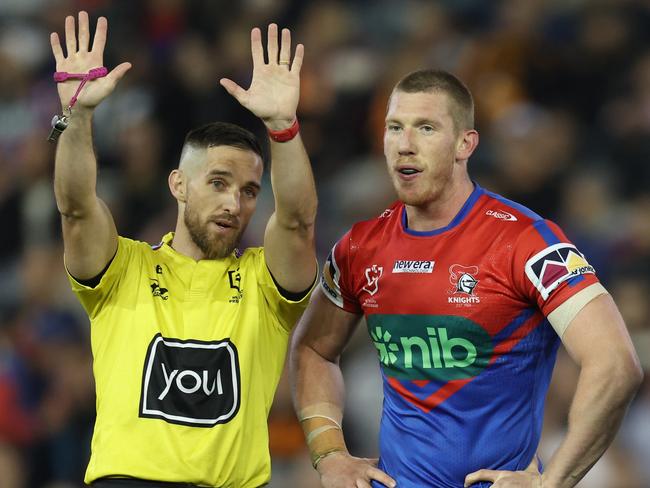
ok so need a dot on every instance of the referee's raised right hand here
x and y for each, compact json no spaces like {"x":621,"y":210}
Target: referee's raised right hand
{"x":80,"y":59}
{"x":340,"y":470}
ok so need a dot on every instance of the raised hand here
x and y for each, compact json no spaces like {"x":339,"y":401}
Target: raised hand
{"x":275,"y":88}
{"x":80,"y":60}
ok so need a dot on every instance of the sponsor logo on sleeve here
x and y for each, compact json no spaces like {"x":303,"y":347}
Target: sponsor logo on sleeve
{"x":501,"y":215}
{"x":406,"y":266}
{"x":329,"y":280}
{"x":190,"y":382}
{"x":558,"y":263}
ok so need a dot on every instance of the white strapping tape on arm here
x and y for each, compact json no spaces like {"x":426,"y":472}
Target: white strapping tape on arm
{"x":561,"y":317}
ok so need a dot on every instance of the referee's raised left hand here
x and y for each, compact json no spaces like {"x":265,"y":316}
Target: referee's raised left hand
{"x":275,"y":89}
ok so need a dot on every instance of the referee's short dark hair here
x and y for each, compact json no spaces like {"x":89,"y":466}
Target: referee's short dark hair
{"x":223,"y":134}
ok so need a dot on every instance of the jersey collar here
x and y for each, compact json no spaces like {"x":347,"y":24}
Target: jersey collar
{"x":166,"y":245}
{"x":460,"y":216}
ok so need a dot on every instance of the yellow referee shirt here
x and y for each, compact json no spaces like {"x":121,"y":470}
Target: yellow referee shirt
{"x":187,"y":356}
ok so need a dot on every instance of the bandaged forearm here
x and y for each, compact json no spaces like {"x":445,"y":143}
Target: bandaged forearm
{"x":321,"y":424}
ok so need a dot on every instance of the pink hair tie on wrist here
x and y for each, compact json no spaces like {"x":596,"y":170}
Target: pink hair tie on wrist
{"x":60,"y":122}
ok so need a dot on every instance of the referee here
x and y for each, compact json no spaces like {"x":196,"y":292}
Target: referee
{"x":188,"y":336}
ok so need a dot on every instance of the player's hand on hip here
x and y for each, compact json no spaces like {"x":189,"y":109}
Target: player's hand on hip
{"x":79,"y":59}
{"x":528,"y":478}
{"x":340,"y":470}
{"x":275,"y":89}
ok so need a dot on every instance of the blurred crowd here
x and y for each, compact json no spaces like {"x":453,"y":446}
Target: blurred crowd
{"x":562,"y":89}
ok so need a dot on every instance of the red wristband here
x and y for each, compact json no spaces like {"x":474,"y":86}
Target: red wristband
{"x":285,"y":134}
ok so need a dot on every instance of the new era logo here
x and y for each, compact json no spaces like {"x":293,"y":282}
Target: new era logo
{"x":408,"y":266}
{"x":190,"y":382}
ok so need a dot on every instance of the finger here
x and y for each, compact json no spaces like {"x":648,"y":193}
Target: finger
{"x":56,"y":47}
{"x":285,"y":48}
{"x":256,"y":47}
{"x":297,"y":59}
{"x":481,"y":475}
{"x":84,"y":31}
{"x":99,"y":42}
{"x":379,"y":475}
{"x":233,"y":88}
{"x":70,"y":36}
{"x":272,"y":43}
{"x":362,"y":484}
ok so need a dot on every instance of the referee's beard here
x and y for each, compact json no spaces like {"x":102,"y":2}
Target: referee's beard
{"x":213,"y":246}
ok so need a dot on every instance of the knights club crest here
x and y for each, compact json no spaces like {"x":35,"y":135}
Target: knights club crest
{"x":464,"y":282}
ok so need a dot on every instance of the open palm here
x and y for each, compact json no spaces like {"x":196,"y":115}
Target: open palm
{"x":275,"y":89}
{"x":80,"y":60}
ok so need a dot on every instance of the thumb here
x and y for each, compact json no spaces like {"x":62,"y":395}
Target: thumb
{"x":481,"y":475}
{"x":233,"y":88}
{"x":118,"y":72}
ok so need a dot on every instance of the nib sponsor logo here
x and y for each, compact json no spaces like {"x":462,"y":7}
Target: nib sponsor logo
{"x":501,"y":215}
{"x":385,"y":348}
{"x":444,"y":348}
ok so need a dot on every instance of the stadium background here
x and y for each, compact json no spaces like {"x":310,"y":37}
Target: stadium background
{"x":562,"y":89}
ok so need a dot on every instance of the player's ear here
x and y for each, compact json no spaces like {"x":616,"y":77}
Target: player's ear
{"x":467,"y":142}
{"x":178,"y":185}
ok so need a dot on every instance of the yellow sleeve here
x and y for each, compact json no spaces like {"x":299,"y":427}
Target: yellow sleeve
{"x":287,"y":312}
{"x":94,"y":299}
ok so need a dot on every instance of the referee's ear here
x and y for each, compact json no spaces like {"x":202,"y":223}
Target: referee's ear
{"x":177,"y":185}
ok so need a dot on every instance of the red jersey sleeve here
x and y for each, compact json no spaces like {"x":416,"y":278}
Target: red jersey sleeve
{"x":336,"y":278}
{"x":547,"y":267}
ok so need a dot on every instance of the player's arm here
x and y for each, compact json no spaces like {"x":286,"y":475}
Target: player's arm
{"x":89,"y":234}
{"x":610,"y":374}
{"x":318,"y":394}
{"x":273,"y":97}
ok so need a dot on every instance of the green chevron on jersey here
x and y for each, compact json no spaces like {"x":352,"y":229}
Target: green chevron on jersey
{"x":429,"y":347}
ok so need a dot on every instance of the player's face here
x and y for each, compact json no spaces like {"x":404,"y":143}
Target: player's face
{"x":221,"y":198}
{"x":420,"y":142}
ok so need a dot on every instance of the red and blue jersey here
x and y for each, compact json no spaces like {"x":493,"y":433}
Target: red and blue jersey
{"x":459,"y":320}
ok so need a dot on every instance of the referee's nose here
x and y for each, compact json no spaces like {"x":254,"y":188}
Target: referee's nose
{"x":231,"y":202}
